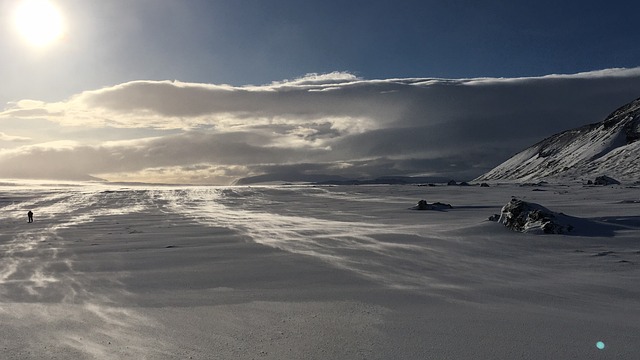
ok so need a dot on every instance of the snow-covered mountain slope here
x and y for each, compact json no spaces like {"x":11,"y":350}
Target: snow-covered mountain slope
{"x":610,"y":147}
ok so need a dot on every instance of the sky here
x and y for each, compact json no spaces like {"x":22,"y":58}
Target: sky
{"x":209,"y":92}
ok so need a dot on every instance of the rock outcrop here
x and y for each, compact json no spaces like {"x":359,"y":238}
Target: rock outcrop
{"x":530,"y":217}
{"x":424,"y":205}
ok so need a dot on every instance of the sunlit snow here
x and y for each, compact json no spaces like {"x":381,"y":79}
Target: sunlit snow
{"x":113,"y":272}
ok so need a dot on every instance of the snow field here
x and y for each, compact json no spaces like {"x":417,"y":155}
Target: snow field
{"x":279,"y":272}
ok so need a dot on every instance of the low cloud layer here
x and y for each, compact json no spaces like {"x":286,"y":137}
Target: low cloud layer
{"x":319,"y":126}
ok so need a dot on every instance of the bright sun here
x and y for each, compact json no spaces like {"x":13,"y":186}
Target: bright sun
{"x":39,"y":22}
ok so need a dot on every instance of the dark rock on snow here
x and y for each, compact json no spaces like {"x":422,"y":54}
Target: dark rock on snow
{"x":529,"y":217}
{"x":423,"y":205}
{"x":605,"y":180}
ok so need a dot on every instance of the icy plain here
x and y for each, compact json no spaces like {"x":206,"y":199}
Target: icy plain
{"x":307,"y":272}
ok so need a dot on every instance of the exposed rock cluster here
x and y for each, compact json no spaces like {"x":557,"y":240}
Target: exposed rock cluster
{"x":529,"y":217}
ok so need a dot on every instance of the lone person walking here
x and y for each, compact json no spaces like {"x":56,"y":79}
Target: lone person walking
{"x":30,"y":216}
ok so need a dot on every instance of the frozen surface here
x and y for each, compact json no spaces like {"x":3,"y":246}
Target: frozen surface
{"x":291,"y":272}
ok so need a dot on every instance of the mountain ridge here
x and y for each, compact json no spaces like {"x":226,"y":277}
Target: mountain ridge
{"x":608,"y":147}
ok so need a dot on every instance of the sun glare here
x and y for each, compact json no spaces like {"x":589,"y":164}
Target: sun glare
{"x":39,"y":22}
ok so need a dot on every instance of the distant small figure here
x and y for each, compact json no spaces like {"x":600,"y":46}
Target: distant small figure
{"x":30,"y":216}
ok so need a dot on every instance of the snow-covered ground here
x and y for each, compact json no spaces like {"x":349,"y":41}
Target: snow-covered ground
{"x":303,"y":272}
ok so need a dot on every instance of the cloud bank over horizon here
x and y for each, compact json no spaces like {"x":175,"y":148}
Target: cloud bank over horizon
{"x":314,"y":127}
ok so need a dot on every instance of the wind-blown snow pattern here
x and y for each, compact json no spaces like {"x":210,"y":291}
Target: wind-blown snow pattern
{"x":609,"y":147}
{"x":314,"y":272}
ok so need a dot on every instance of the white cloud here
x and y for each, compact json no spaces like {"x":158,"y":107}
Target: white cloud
{"x":312,"y":80}
{"x":13,"y":138}
{"x":344,"y":125}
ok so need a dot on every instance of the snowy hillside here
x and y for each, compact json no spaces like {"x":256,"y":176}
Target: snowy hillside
{"x":609,"y":147}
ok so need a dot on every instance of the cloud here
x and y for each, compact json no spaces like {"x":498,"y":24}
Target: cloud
{"x":322,"y":124}
{"x":13,"y":138}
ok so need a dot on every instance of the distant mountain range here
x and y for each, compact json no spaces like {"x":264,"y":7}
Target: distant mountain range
{"x":610,"y":147}
{"x":335,"y":180}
